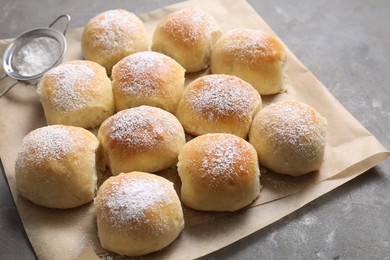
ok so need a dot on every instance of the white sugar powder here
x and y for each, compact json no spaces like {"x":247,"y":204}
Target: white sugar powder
{"x":113,"y":26}
{"x":141,"y":74}
{"x":71,"y":81}
{"x":221,"y":95}
{"x":130,"y":202}
{"x":293,"y":125}
{"x":49,"y":142}
{"x":142,"y":127}
{"x":36,"y":56}
{"x":190,"y":24}
{"x":221,"y":155}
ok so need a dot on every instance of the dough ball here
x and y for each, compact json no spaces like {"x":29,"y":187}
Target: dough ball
{"x":187,"y":36}
{"x":57,"y":166}
{"x":218,"y":104}
{"x":76,"y":93}
{"x":137,"y":213}
{"x":252,"y":55}
{"x":219,"y":172}
{"x":141,"y":139}
{"x":289,"y":137}
{"x":147,"y":78}
{"x":111,"y":36}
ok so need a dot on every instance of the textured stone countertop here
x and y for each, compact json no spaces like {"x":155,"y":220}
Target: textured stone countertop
{"x":346,"y":44}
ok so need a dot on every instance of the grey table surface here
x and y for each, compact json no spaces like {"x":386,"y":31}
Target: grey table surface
{"x":346,"y":44}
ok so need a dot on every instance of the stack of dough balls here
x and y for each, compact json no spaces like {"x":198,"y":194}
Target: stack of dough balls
{"x":77,"y":93}
{"x":187,"y":36}
{"x":147,"y":78}
{"x":219,"y":172}
{"x":137,"y":213}
{"x":289,"y":137}
{"x":218,"y":104}
{"x":252,"y":55}
{"x":57,"y":166}
{"x":111,"y":36}
{"x":142,"y":138}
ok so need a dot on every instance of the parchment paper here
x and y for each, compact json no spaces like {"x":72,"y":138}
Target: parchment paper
{"x":68,"y":234}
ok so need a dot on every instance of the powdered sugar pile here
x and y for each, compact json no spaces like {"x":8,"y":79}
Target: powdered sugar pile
{"x":219,"y":96}
{"x":36,"y":56}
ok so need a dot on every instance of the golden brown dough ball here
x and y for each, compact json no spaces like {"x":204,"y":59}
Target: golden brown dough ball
{"x":147,"y":78}
{"x":111,"y":36}
{"x":76,"y":93}
{"x":218,"y":104}
{"x":187,"y":36}
{"x":252,"y":55}
{"x":58,"y":166}
{"x":141,"y":139}
{"x":219,"y":172}
{"x":289,"y":137}
{"x":137,"y":213}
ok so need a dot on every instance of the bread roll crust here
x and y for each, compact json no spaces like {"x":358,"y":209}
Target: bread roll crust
{"x":252,"y":55}
{"x":148,"y":78}
{"x":141,"y":139}
{"x":137,"y":213}
{"x":187,"y":36}
{"x":111,"y":36}
{"x":219,"y":172}
{"x":76,"y":93}
{"x":289,"y":137}
{"x":218,"y":104}
{"x":57,"y":166}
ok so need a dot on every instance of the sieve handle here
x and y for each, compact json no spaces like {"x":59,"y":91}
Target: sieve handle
{"x":7,"y":88}
{"x":67,"y":17}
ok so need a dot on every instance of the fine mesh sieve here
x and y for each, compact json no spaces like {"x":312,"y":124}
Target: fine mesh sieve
{"x":25,"y":38}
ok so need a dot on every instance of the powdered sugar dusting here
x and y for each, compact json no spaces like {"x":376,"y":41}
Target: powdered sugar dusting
{"x":294,"y":125}
{"x":71,"y":79}
{"x":141,"y":127}
{"x":46,"y":143}
{"x":126,"y":203}
{"x":190,"y":25}
{"x":224,"y":159}
{"x":140,"y":74}
{"x":113,"y":24}
{"x":217,"y":96}
{"x":248,"y":45}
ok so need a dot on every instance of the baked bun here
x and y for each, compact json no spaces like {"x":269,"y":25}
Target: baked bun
{"x":147,"y":78}
{"x":219,"y":172}
{"x":252,"y":55}
{"x":187,"y":36}
{"x":137,"y":213}
{"x":141,"y":139}
{"x":76,"y":93}
{"x":289,"y":137}
{"x":57,"y":166}
{"x":218,"y":104}
{"x":111,"y":36}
